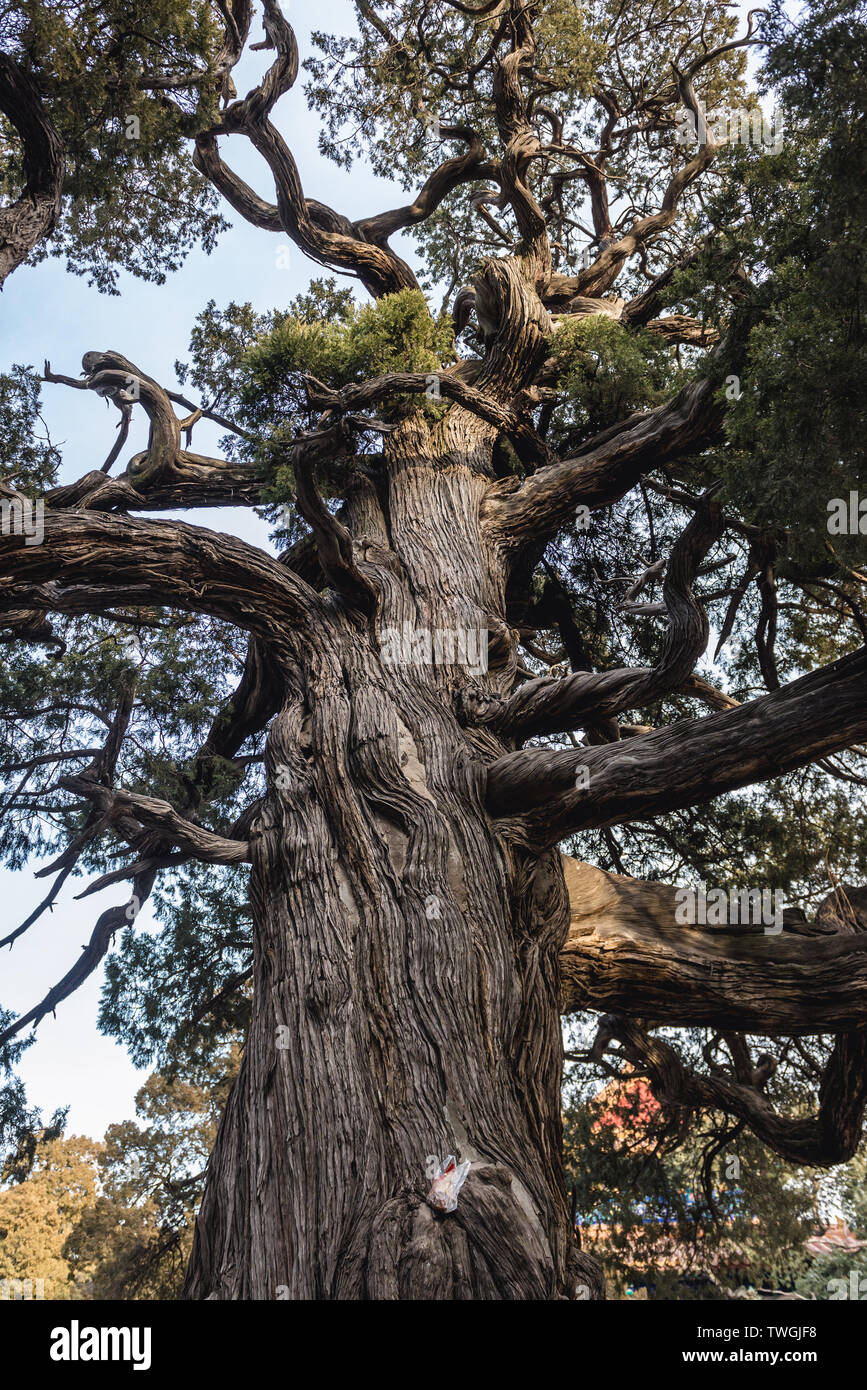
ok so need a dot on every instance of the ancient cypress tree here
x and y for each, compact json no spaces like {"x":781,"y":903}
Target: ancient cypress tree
{"x":433,"y":696}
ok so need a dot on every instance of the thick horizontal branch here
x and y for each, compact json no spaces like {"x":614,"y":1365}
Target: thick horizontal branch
{"x":88,"y":561}
{"x":626,"y":953}
{"x":603,"y":471}
{"x":682,"y":328}
{"x":188,"y":484}
{"x":555,"y":792}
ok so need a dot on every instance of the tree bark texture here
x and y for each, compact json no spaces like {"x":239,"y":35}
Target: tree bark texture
{"x":406,"y":990}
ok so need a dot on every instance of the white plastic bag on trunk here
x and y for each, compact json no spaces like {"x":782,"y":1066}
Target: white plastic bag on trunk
{"x":447,"y":1183}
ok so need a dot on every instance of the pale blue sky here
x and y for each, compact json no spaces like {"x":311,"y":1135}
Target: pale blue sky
{"x":44,"y":312}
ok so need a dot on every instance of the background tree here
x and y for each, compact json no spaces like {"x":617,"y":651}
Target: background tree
{"x":590,"y":411}
{"x":114,"y":1219}
{"x":38,"y":1213}
{"x":97,"y":102}
{"x":134,"y":1240}
{"x":678,"y":1206}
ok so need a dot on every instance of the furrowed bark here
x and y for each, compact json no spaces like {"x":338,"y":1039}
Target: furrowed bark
{"x":406,"y":983}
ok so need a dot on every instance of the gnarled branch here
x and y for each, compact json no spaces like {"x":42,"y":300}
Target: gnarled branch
{"x":605,"y":469}
{"x":550,"y":793}
{"x":545,"y":707}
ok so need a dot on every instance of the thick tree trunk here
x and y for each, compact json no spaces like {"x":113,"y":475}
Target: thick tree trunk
{"x":406,"y":989}
{"x":32,"y":216}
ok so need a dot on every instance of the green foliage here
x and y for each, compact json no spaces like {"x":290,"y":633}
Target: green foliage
{"x":796,"y":222}
{"x":831,"y":1277}
{"x":158,"y":985}
{"x":184,"y":671}
{"x":397,"y":333}
{"x":667,"y":1210}
{"x":572,"y":47}
{"x":134,"y":1240}
{"x":797,"y":833}
{"x":28,"y":459}
{"x":783,"y":837}
{"x":132,"y":199}
{"x":792,"y":223}
{"x":260,"y":363}
{"x":607,"y":372}
{"x":22,"y":1128}
{"x":853,"y":1185}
